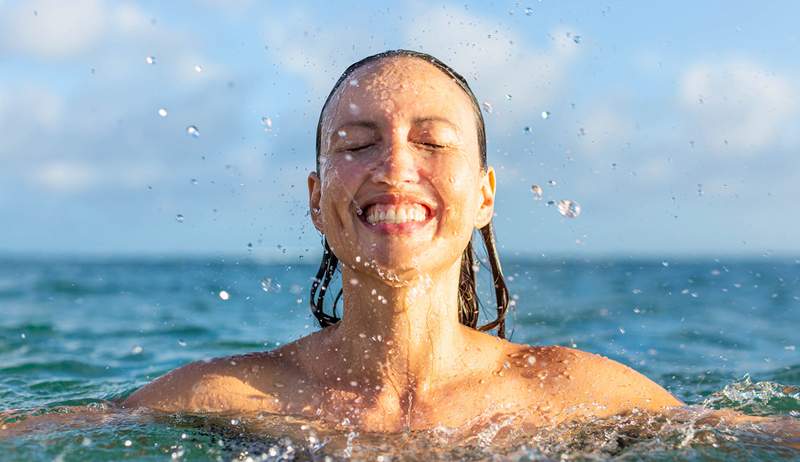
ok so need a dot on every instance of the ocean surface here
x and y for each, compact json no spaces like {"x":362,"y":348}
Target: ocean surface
{"x":77,"y":334}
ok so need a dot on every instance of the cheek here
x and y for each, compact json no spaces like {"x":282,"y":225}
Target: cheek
{"x":456,"y":183}
{"x":340,"y":181}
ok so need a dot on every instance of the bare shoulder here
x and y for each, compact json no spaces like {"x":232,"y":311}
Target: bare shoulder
{"x":610,"y":386}
{"x":581,"y":384}
{"x":218,"y":385}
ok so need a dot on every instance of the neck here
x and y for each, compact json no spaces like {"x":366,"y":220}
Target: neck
{"x":404,"y":336}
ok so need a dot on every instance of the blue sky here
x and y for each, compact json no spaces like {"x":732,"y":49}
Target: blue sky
{"x":674,"y":125}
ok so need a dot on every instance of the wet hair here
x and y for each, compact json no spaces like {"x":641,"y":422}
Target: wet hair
{"x":467,"y":289}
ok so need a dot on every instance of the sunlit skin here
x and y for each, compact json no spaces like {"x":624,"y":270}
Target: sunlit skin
{"x":403,"y":132}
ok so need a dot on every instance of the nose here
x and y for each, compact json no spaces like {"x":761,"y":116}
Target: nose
{"x":398,"y":165}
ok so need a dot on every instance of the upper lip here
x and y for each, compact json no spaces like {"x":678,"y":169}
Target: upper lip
{"x":397,"y":198}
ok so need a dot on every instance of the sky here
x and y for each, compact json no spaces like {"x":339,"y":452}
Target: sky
{"x":675,"y":125}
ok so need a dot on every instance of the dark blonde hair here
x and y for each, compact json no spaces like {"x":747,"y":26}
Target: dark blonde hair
{"x":467,"y":290}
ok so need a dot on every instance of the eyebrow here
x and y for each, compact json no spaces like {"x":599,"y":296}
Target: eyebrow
{"x":358,"y":123}
{"x":420,"y":120}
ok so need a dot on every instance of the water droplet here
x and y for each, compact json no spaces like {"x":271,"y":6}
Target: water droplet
{"x":531,"y":360}
{"x":23,"y":336}
{"x":354,"y":109}
{"x":137,"y":349}
{"x":537,"y":192}
{"x":179,"y":218}
{"x":224,"y":295}
{"x":665,"y":264}
{"x":267,"y":123}
{"x":353,"y":82}
{"x":86,"y":441}
{"x":526,"y":129}
{"x":545,"y":114}
{"x":487,"y":107}
{"x":234,"y":421}
{"x":193,"y":131}
{"x":150,"y":60}
{"x":576,"y":38}
{"x":341,"y":133}
{"x":162,"y":112}
{"x":182,"y":342}
{"x":193,"y":181}
{"x":268,"y":285}
{"x":551,"y":182}
{"x":549,"y":203}
{"x":528,"y":11}
{"x":508,"y":97}
{"x":568,"y":208}
{"x":128,"y":443}
{"x":198,"y":68}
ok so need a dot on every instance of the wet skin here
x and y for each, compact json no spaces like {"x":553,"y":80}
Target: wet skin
{"x":399,"y":134}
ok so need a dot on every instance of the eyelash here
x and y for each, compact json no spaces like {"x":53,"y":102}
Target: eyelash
{"x":359,"y":148}
{"x":427,"y":145}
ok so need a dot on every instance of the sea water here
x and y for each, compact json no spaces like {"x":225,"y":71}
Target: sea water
{"x":79,"y":334}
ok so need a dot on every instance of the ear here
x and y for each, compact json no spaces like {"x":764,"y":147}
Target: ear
{"x":314,"y":196}
{"x":486,"y":209}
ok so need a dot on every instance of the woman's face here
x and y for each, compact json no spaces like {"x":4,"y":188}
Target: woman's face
{"x":400,"y":187}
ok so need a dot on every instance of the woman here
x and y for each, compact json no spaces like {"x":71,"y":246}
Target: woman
{"x":401,"y":184}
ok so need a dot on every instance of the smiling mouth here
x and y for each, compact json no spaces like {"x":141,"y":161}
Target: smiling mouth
{"x":395,"y":215}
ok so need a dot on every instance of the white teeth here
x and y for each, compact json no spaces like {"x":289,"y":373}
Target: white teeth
{"x":402,"y":213}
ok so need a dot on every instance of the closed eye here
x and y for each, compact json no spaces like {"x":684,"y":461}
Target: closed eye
{"x":433,"y":145}
{"x":358,"y":148}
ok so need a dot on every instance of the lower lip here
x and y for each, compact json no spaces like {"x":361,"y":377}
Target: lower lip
{"x":408,"y":227}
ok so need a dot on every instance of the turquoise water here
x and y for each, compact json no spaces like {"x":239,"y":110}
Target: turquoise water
{"x":723,"y":334}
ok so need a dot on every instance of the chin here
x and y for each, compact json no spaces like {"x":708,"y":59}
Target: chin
{"x":398,"y":268}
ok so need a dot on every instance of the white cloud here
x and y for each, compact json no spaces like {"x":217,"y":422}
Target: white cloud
{"x":739,"y":107}
{"x":64,"y":177}
{"x":311,"y":55}
{"x":76,"y":176}
{"x":497,"y":62}
{"x":129,"y":19}
{"x":27,"y":111}
{"x":502,"y":64}
{"x":53,"y":28}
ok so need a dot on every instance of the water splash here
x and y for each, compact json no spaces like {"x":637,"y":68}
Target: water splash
{"x":568,"y":208}
{"x":756,"y":398}
{"x":269,"y":285}
{"x":537,"y":192}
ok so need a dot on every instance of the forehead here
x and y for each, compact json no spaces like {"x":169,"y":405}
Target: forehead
{"x":397,"y":86}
